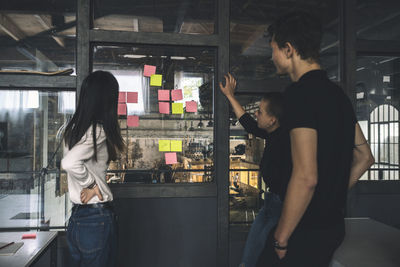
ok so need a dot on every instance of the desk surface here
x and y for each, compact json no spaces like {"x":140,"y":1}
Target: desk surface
{"x":368,"y":243}
{"x":31,"y":249}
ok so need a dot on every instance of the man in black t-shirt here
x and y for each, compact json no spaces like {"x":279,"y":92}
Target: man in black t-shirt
{"x":329,"y":150}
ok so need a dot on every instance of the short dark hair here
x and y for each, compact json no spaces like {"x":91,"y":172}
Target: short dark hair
{"x":275,"y":104}
{"x":302,"y":29}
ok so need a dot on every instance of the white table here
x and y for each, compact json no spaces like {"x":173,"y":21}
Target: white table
{"x":368,"y":243}
{"x":32,"y":250}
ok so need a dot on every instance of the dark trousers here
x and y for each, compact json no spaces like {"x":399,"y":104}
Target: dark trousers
{"x":310,"y":247}
{"x":92,"y":237}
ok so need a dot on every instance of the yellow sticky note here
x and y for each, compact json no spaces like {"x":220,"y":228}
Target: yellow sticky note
{"x":164,"y":145}
{"x":177,"y":108}
{"x":176,"y":145}
{"x":156,"y":80}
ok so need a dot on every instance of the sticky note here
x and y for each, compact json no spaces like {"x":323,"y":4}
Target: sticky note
{"x":176,"y":145}
{"x":163,"y":95}
{"x":176,"y":95}
{"x":191,"y":106}
{"x":25,"y":236}
{"x":122,"y":97}
{"x":386,"y":79}
{"x":132,"y":97}
{"x":177,"y":108}
{"x":164,"y":145}
{"x":133,"y":121}
{"x":121,"y":109}
{"x":149,"y":70}
{"x":170,"y":158}
{"x":156,"y":80}
{"x":163,"y":107}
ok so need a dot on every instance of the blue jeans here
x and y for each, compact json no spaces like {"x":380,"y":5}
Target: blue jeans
{"x":266,"y":219}
{"x":92,"y":237}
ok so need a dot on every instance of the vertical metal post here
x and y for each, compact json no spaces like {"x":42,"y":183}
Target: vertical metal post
{"x":221,"y":135}
{"x":82,"y":43}
{"x":347,"y":50}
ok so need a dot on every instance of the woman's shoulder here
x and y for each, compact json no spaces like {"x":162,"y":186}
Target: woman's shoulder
{"x":88,"y":136}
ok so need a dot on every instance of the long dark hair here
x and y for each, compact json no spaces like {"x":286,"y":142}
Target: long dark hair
{"x":98,"y":101}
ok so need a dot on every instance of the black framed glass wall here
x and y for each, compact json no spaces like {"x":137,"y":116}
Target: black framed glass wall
{"x":186,"y":17}
{"x":37,"y":36}
{"x":173,"y":132}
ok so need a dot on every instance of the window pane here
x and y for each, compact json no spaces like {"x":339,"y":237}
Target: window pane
{"x":378,"y":19}
{"x":31,"y":125}
{"x":245,"y":182}
{"x":250,"y":52}
{"x":377,"y":81}
{"x":189,"y":17}
{"x":179,"y":125}
{"x":37,"y":35}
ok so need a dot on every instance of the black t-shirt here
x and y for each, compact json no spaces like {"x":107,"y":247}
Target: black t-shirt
{"x":275,"y":165}
{"x":316,"y":102}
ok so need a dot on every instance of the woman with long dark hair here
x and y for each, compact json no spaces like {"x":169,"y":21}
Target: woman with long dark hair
{"x":91,"y":140}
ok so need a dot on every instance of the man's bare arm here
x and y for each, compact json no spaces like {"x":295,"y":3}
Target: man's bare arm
{"x":301,"y":185}
{"x":362,"y":157}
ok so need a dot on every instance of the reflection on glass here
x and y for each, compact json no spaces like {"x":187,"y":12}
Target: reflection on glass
{"x":37,"y":38}
{"x":250,"y":52}
{"x":378,"y":109}
{"x":188,"y":17}
{"x":378,"y":19}
{"x":167,"y":127}
{"x":30,"y":134}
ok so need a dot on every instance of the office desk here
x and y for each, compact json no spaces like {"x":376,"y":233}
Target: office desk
{"x":41,"y":251}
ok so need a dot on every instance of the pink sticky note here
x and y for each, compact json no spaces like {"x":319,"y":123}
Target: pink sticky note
{"x":133,"y":121}
{"x":170,"y":158}
{"x":191,"y":106}
{"x":25,"y":236}
{"x":122,"y":97}
{"x":176,"y":95}
{"x":163,"y":95}
{"x":121,"y":109}
{"x":149,"y":70}
{"x":163,"y":107}
{"x":132,"y":97}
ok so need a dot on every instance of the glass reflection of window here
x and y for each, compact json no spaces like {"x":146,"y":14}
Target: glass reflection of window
{"x":384,"y":136}
{"x":189,"y":83}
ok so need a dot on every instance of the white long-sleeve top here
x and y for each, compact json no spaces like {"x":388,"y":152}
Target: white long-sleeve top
{"x":83,"y":170}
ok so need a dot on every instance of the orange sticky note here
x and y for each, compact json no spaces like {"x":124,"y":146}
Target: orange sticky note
{"x":133,"y":121}
{"x":176,"y":95}
{"x":121,"y":109}
{"x":163,"y":95}
{"x":170,"y":158}
{"x":163,"y":107}
{"x":122,"y":97}
{"x":191,"y":106}
{"x":149,"y":70}
{"x":132,"y":97}
{"x":32,"y":235}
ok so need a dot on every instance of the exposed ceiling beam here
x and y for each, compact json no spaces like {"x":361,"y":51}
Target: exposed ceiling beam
{"x":45,"y":21}
{"x":9,"y":27}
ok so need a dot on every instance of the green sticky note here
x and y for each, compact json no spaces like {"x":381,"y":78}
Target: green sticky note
{"x":176,"y":145}
{"x":156,"y":80}
{"x":177,"y":108}
{"x":164,"y":145}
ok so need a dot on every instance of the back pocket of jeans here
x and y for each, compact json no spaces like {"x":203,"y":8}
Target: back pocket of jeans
{"x":90,"y":236}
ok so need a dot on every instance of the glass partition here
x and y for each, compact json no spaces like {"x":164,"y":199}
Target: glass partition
{"x":37,"y":36}
{"x":378,"y":105}
{"x":166,"y":112}
{"x":188,"y":17}
{"x":30,"y":140}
